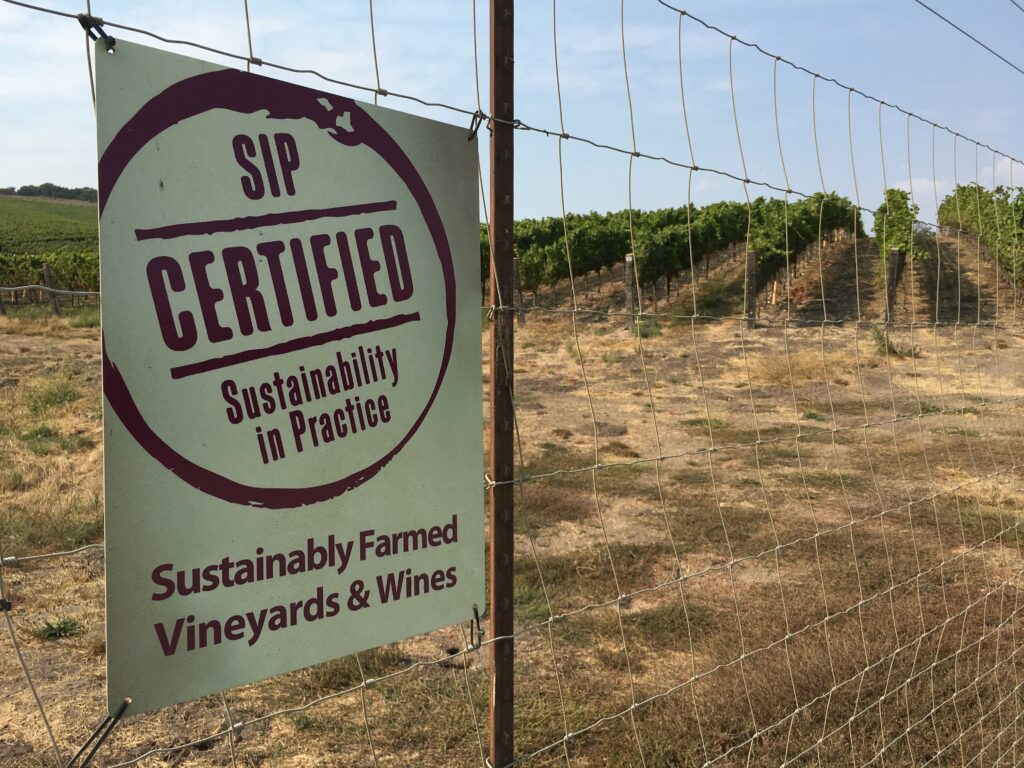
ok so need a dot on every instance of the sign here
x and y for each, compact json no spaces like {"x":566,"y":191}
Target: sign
{"x":291,"y":374}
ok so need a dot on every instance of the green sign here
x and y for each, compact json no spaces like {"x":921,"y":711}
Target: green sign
{"x":291,"y":374}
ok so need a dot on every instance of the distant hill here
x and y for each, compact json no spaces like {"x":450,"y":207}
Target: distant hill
{"x":86,"y":194}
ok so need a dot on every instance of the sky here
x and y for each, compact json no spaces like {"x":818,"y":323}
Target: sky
{"x":892,"y":49}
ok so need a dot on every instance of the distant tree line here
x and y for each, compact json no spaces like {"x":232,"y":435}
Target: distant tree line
{"x":52,"y":190}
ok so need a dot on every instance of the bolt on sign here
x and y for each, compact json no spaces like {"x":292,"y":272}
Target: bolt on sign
{"x":291,"y":373}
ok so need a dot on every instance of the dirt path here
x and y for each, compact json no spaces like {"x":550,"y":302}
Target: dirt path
{"x":983,"y":291}
{"x":846,"y":269}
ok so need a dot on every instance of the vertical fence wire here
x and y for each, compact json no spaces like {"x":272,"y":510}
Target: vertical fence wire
{"x":5,"y":599}
{"x":248,"y":35}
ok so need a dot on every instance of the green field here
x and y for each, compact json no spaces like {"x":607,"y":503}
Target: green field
{"x":61,"y":234}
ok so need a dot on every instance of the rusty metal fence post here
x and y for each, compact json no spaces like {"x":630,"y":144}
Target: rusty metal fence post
{"x":502,"y":490}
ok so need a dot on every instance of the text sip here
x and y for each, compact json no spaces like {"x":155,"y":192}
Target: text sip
{"x":287,"y":160}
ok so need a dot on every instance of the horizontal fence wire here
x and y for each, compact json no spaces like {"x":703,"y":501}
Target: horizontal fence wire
{"x":47,"y":289}
{"x":785,"y":533}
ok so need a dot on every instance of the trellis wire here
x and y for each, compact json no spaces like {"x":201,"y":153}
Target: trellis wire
{"x":47,"y":289}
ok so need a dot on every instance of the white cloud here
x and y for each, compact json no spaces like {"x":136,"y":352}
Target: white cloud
{"x":924,"y":188}
{"x":1007,"y":173}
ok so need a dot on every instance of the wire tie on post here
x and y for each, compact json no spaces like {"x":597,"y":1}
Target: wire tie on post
{"x":103,"y":730}
{"x":255,"y":60}
{"x":93,"y":26}
{"x":5,"y":605}
{"x":475,"y":121}
{"x":475,"y":630}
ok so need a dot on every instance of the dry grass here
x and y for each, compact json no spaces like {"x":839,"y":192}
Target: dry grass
{"x":38,"y":320}
{"x":845,"y":555}
{"x":50,"y":459}
{"x":800,"y":366}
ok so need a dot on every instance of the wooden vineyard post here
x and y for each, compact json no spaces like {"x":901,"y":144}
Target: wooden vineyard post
{"x":54,"y":298}
{"x":750,"y":289}
{"x":891,"y":274}
{"x":630,"y":295}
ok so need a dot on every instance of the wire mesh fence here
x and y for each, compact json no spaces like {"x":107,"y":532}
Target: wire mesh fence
{"x":767,"y":496}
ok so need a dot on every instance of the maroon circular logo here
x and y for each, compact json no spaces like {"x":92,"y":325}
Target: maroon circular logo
{"x":338,"y":122}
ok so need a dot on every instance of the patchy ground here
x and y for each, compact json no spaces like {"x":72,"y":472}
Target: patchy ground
{"x":790,"y":544}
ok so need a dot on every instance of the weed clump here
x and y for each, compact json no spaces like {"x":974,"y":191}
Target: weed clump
{"x":647,"y":329}
{"x":11,"y":481}
{"x":46,"y":394}
{"x":89,"y":318}
{"x":58,"y":629}
{"x":573,"y":350}
{"x":706,"y":423}
{"x":886,"y":347}
{"x":44,"y":440}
